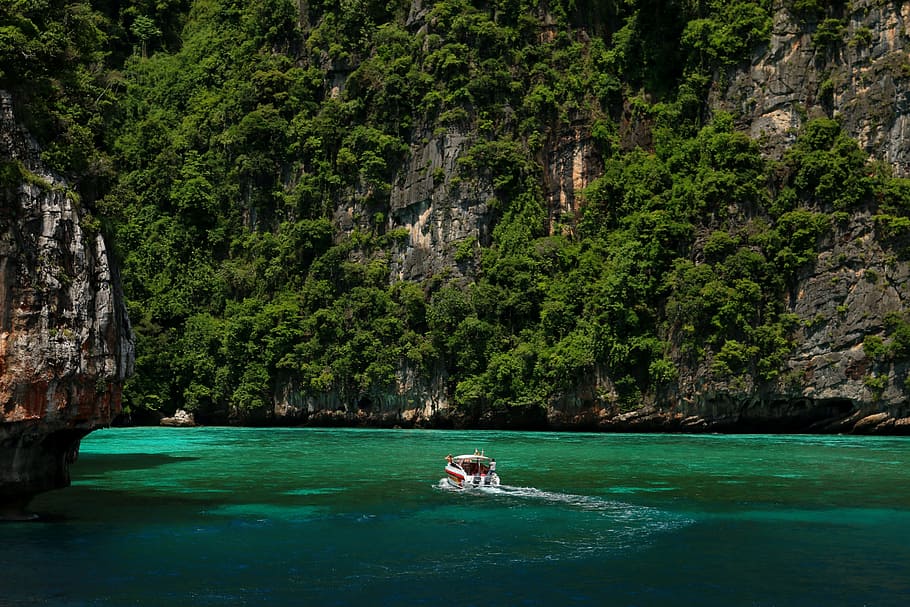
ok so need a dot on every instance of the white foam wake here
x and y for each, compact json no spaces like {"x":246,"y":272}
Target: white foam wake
{"x":618,"y":511}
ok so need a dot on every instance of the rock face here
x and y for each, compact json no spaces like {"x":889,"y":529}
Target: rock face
{"x":66,"y":345}
{"x":446,"y":220}
{"x":415,"y":401}
{"x":862,"y":79}
{"x":854,"y":284}
{"x":858,"y":278}
{"x":571,"y":163}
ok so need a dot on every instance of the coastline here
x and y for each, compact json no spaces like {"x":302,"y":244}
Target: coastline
{"x":646,"y":420}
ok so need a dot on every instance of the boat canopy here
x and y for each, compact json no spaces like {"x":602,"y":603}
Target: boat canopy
{"x":477,"y":459}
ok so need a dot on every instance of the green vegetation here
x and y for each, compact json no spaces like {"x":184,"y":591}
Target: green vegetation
{"x":216,"y":139}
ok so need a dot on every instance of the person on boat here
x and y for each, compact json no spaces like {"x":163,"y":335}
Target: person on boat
{"x":449,"y":459}
{"x":493,"y":466}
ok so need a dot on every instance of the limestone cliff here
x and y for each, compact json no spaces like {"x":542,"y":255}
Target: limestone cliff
{"x":439,"y":214}
{"x":66,"y":345}
{"x":862,"y":77}
{"x":828,"y":382}
{"x":844,"y":297}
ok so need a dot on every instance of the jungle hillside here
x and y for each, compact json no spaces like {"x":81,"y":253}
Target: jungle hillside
{"x":511,"y":213}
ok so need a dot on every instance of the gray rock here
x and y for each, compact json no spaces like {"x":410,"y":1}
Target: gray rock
{"x":66,"y":345}
{"x":180,"y":419}
{"x":864,"y":84}
{"x":439,"y":211}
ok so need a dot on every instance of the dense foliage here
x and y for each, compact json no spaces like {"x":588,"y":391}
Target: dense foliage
{"x":216,"y":139}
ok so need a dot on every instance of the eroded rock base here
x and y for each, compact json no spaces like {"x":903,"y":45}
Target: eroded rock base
{"x":32,"y":461}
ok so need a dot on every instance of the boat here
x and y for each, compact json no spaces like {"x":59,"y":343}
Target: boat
{"x":475,"y":470}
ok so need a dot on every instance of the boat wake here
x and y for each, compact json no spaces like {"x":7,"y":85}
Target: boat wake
{"x":532,"y":494}
{"x":579,"y":502}
{"x":583,"y":502}
{"x":586,"y":502}
{"x":616,"y":510}
{"x":600,"y":523}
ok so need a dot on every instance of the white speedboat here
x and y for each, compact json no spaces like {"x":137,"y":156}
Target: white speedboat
{"x":475,"y":470}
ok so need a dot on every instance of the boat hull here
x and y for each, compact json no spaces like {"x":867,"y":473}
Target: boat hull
{"x":459,"y":478}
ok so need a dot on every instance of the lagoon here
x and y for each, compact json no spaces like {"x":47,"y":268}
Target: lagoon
{"x":303,"y":516}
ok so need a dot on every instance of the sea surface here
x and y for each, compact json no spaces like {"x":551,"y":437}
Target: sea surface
{"x":228,"y":516}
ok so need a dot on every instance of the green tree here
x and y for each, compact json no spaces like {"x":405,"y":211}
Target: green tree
{"x":145,"y":30}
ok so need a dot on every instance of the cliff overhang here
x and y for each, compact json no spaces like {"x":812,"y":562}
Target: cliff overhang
{"x":66,"y":345}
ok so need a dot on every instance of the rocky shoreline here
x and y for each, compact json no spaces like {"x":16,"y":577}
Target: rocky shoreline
{"x":797,"y":417}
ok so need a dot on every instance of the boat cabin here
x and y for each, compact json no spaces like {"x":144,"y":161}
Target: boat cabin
{"x":473,"y":464}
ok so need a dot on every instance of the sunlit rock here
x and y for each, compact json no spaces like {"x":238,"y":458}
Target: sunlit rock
{"x":66,"y":345}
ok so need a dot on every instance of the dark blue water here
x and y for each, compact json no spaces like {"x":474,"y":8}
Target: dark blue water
{"x":215,"y":516}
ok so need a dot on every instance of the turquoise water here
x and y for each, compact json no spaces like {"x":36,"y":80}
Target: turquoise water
{"x":226,"y":516}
